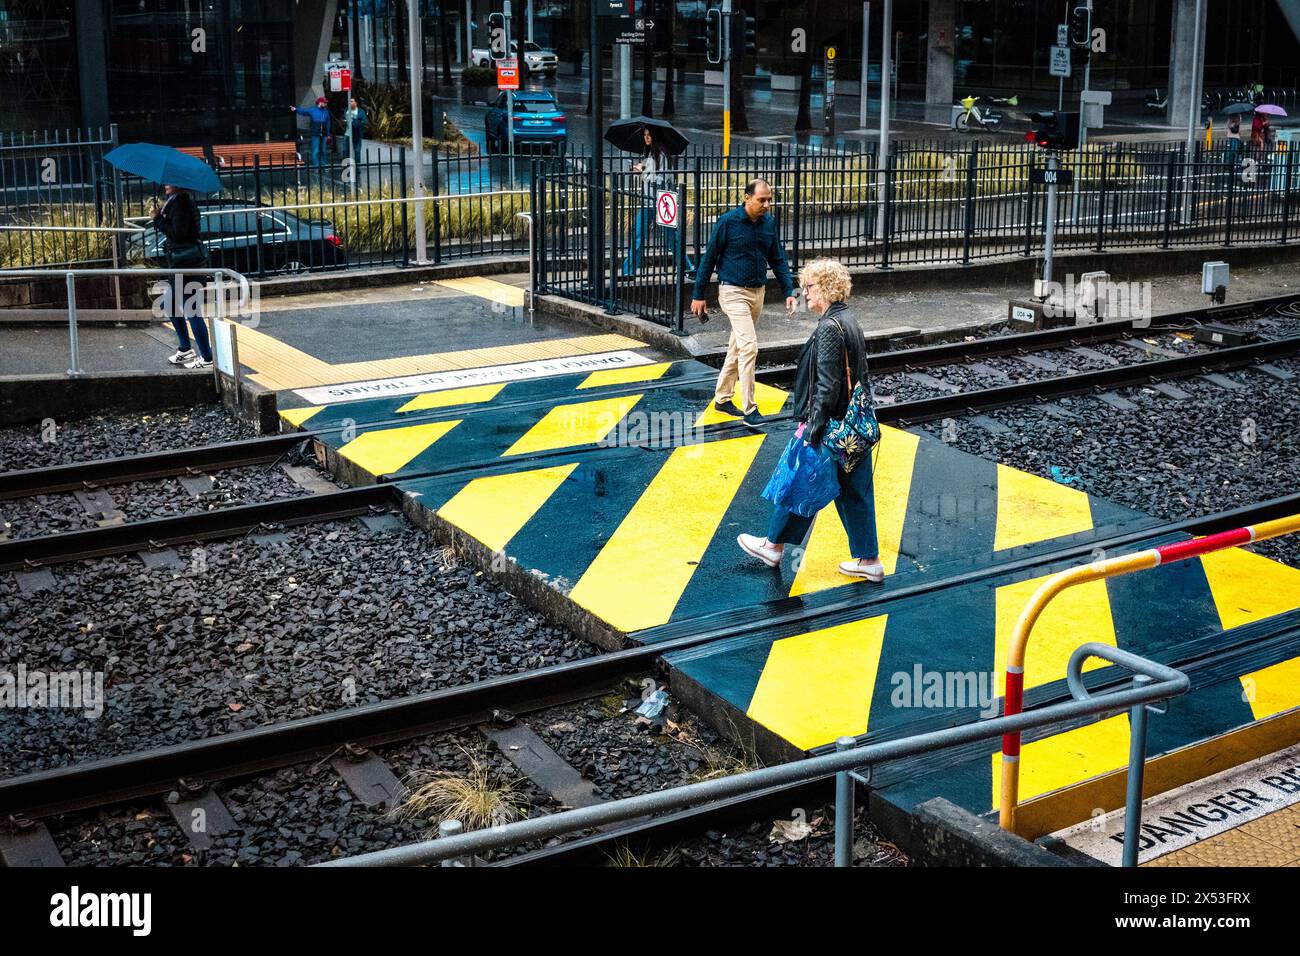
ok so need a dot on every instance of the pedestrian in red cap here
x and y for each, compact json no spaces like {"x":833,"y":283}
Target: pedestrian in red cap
{"x":320,"y":127}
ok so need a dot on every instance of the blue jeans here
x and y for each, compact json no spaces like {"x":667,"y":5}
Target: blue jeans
{"x":856,"y":504}
{"x":200,"y":327}
{"x":318,"y":150}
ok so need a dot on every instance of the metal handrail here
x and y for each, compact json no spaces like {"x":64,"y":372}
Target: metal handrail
{"x":1153,"y":682}
{"x":71,"y":276}
{"x":1013,"y":690}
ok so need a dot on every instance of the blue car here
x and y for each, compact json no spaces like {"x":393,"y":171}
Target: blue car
{"x":539,"y":121}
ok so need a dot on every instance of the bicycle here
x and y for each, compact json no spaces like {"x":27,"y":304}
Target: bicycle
{"x":988,"y":119}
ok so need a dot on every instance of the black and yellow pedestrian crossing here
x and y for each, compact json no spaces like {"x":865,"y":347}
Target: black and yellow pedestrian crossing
{"x":624,"y":491}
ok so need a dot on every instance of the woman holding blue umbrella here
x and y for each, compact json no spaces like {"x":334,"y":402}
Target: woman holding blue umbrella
{"x":178,"y":221}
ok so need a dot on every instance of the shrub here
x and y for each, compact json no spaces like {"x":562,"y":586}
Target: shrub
{"x":478,"y":76}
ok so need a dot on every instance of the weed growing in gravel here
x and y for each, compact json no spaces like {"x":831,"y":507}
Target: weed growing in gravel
{"x":478,"y":798}
{"x":623,"y":855}
{"x":718,"y":762}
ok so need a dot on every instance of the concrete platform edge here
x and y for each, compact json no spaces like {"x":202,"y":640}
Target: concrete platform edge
{"x":28,"y":399}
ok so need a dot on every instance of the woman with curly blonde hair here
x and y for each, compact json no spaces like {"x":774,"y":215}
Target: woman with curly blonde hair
{"x":832,"y":363}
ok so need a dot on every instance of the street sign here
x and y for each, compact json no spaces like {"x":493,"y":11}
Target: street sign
{"x":1051,"y":177}
{"x":508,"y":73}
{"x":614,"y":8}
{"x":1063,"y":34}
{"x":828,"y":101}
{"x":666,"y":211}
{"x":1059,"y":58}
{"x":340,"y":80}
{"x":633,"y":30}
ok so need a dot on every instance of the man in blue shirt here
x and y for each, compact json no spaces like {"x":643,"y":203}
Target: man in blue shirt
{"x":320,"y":127}
{"x":744,"y":243}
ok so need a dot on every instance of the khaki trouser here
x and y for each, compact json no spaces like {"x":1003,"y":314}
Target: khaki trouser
{"x":741,"y":307}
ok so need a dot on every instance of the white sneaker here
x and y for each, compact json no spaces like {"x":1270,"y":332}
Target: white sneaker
{"x":758,"y":548}
{"x":180,"y":357}
{"x":872,"y":570}
{"x":198,"y":362}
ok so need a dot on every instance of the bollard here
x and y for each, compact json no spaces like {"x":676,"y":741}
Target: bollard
{"x":450,"y":828}
{"x":75,"y":356}
{"x":844,"y":809}
{"x":1137,"y":756}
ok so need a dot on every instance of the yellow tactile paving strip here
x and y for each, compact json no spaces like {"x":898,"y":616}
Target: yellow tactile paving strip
{"x":281,"y":367}
{"x":1273,"y":840}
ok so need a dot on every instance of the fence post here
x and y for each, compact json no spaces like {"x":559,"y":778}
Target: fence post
{"x":1286,"y":196}
{"x":257,"y":201}
{"x":406,"y":239}
{"x":699,"y":225}
{"x":1101,"y":200}
{"x":1229,"y":209}
{"x":798,"y":204}
{"x":972,"y":165}
{"x":74,"y":352}
{"x":611,"y":303}
{"x":1137,"y":756}
{"x":679,"y":270}
{"x":1169,"y":198}
{"x":436,"y":186}
{"x":844,"y":810}
{"x":888,"y":211}
{"x":1029,"y":207}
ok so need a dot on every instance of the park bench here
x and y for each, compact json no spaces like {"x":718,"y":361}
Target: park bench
{"x":240,"y":155}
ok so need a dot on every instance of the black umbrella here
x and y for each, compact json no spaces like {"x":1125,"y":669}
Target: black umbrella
{"x":629,"y":135}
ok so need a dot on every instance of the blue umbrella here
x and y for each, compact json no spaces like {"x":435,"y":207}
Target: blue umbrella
{"x":166,"y":166}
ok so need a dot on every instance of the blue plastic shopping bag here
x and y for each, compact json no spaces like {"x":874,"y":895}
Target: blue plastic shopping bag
{"x":804,"y":481}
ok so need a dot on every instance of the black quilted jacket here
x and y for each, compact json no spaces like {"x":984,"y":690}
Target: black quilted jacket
{"x":821,"y":391}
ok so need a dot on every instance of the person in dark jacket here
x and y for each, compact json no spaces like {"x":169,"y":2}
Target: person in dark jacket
{"x":354,"y":125}
{"x":832,"y":363}
{"x":744,"y":243}
{"x":178,"y":221}
{"x":320,"y":127}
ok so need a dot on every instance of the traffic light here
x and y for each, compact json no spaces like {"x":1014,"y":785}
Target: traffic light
{"x":496,"y":35}
{"x":714,"y":50}
{"x":744,"y":34}
{"x":1081,"y":27}
{"x":1054,"y":130}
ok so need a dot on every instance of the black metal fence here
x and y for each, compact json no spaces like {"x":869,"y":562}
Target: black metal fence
{"x":941,"y":204}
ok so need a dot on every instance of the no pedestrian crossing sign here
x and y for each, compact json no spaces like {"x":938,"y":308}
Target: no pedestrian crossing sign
{"x":666,"y":213}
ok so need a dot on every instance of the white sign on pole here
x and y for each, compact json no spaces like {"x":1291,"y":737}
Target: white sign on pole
{"x":666,"y":212}
{"x":1062,"y":35}
{"x":1060,"y":61}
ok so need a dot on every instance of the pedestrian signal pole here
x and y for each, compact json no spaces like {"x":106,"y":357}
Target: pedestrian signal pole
{"x":417,"y":128}
{"x":725,"y":29}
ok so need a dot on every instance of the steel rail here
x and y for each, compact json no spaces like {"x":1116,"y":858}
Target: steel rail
{"x":23,"y":553}
{"x":161,"y":464}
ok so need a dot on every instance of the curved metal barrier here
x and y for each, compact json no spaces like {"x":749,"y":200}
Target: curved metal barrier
{"x":1014,"y":686}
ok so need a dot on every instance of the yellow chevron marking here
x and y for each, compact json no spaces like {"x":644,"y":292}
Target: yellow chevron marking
{"x":581,"y":423}
{"x":770,"y":401}
{"x":485,"y":288}
{"x":1032,"y":509}
{"x":1078,"y":615}
{"x":638,"y":577}
{"x":495,"y":508}
{"x":1067,"y":758}
{"x":828,"y":544}
{"x":817,"y":686}
{"x":384,"y":451}
{"x":1250,"y":587}
{"x":623,"y":376}
{"x":296,"y":416}
{"x":453,"y":396}
{"x":1273,"y":689}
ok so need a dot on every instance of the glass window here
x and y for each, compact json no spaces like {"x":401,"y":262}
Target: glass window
{"x":38,"y":66}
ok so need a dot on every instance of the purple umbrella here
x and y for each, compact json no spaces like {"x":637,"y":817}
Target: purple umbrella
{"x":1270,"y":109}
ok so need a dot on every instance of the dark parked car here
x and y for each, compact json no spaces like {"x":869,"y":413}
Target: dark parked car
{"x":289,"y":243}
{"x":538,"y":121}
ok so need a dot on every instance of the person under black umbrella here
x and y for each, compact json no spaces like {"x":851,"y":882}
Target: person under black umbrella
{"x":655,"y":167}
